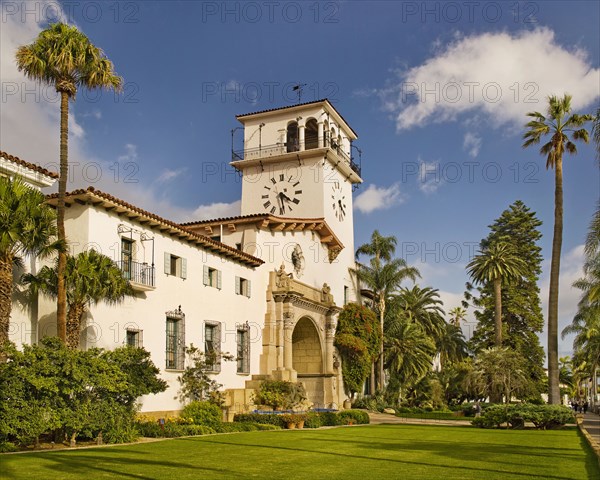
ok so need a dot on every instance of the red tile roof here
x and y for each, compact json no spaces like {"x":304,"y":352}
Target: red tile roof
{"x":30,"y":166}
{"x":96,"y":197}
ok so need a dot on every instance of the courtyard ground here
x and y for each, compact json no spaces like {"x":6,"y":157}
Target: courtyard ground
{"x":367,"y":452}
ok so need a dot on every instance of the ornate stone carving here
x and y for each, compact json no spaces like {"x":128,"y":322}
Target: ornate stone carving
{"x":326,"y":296}
{"x":283,"y":278}
{"x":298,"y":260}
{"x":288,"y":320}
{"x":333,"y":252}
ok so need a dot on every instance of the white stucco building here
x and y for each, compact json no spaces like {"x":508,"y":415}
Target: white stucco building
{"x":265,"y":286}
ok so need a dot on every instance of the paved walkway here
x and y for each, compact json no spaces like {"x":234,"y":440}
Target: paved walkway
{"x":591,"y":422}
{"x":380,"y":418}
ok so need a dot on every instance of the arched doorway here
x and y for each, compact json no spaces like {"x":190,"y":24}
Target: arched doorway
{"x":307,"y":354}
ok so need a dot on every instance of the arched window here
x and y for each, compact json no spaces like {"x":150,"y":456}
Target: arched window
{"x":311,"y":134}
{"x":292,"y":140}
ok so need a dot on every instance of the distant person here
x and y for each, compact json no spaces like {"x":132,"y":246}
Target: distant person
{"x":477,"y":408}
{"x":585,"y":406}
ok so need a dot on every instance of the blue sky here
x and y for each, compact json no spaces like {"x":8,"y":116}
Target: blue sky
{"x":436,"y":91}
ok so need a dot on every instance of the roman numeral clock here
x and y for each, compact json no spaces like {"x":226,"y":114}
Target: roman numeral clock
{"x":280,"y":194}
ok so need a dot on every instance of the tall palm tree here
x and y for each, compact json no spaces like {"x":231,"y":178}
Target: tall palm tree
{"x":380,"y":247}
{"x":457,"y":315}
{"x":383,"y":279}
{"x":495,"y":264}
{"x":27,"y":227}
{"x":64,"y":57}
{"x":91,"y":278}
{"x":559,"y":123}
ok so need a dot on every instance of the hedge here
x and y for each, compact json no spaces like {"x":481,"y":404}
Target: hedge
{"x":544,"y":417}
{"x":313,"y":419}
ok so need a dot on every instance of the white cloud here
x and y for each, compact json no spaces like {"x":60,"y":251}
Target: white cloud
{"x":216,"y":210}
{"x":430,"y":178}
{"x":472,"y":144}
{"x":167,"y":175}
{"x":379,"y":198}
{"x":499,"y":74}
{"x":130,"y":155}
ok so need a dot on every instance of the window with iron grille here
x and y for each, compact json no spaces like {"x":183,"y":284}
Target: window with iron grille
{"x":243,"y":349}
{"x":212,"y":346}
{"x":133,"y":338}
{"x":175,"y":342}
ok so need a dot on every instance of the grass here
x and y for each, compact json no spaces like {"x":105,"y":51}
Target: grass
{"x":434,"y":416}
{"x":365,"y":452}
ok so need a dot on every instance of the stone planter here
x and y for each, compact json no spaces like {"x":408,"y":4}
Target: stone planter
{"x":291,"y":426}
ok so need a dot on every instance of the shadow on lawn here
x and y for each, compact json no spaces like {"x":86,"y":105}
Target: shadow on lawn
{"x":384,"y":446}
{"x":87,"y":464}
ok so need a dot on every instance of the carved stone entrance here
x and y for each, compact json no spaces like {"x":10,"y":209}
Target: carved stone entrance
{"x":298,"y":338}
{"x":297,"y":344}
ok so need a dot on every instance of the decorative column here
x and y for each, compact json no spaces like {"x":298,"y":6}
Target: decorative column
{"x":301,"y":131}
{"x":288,"y":330}
{"x":320,"y":134}
{"x":330,"y":326}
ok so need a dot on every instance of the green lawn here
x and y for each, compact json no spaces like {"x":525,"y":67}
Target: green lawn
{"x":365,"y":452}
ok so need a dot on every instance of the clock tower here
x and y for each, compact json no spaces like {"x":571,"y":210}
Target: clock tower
{"x":297,"y":163}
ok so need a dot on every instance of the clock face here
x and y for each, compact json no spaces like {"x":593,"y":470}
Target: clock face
{"x":338,"y":199}
{"x":281,"y":194}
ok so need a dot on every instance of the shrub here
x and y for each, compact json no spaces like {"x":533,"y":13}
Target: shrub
{"x":203,"y":413}
{"x":542,"y":416}
{"x":267,"y":418}
{"x":173,"y":429}
{"x":280,"y":394}
{"x":6,"y":447}
{"x":150,"y":429}
{"x":353,"y":417}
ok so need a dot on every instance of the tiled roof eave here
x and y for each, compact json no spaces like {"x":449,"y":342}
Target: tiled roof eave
{"x":153,"y":221}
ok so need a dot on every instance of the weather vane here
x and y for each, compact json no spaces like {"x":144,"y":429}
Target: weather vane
{"x":298,"y":88}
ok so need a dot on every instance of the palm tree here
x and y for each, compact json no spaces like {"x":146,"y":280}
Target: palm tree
{"x":559,"y":123}
{"x":457,"y":315}
{"x":495,"y":264}
{"x":382,"y":248}
{"x":383,"y":279}
{"x":27,"y":227}
{"x":451,"y":345}
{"x":410,"y":353}
{"x":422,"y":306}
{"x":64,"y":57}
{"x":91,"y":278}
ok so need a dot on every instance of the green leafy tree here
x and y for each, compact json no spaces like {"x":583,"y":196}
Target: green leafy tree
{"x":501,"y":370}
{"x":495,"y":264}
{"x":586,"y":323}
{"x":196,"y":382}
{"x":27,"y":227}
{"x":91,"y":278}
{"x":558,"y":124}
{"x":49,"y":386}
{"x":522,"y":317}
{"x":358,"y":340}
{"x":422,"y":306}
{"x":451,"y":345}
{"x":382,"y":277}
{"x":65,"y":58}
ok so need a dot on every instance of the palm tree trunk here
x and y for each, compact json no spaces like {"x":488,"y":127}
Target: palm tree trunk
{"x":381,"y":369}
{"x":6,"y":287}
{"x":498,"y":311}
{"x":74,"y":316}
{"x":553,"y":386}
{"x":61,"y":304}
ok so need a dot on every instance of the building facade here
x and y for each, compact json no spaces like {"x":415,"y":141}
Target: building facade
{"x":265,"y":287}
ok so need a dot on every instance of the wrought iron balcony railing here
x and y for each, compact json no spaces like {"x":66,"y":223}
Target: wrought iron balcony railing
{"x":277,"y":149}
{"x":136,"y":272}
